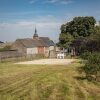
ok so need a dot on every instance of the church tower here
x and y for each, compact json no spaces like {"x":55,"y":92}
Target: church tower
{"x":35,"y":36}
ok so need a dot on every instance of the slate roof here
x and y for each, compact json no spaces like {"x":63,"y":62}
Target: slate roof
{"x":48,"y":41}
{"x":1,"y":42}
{"x":41,"y":42}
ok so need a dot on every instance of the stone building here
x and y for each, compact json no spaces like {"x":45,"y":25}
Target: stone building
{"x":35,"y":45}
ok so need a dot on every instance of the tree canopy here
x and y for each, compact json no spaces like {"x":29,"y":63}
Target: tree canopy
{"x":78,"y":27}
{"x":84,"y":37}
{"x":93,"y":43}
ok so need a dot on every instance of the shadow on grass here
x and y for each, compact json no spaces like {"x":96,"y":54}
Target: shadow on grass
{"x":80,"y":78}
{"x":83,"y":78}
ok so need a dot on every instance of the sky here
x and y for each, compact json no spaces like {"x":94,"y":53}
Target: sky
{"x":18,"y":18}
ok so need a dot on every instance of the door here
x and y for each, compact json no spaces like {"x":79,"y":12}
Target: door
{"x":40,"y":50}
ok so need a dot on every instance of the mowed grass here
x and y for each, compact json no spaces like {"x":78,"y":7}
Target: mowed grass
{"x":45,"y":82}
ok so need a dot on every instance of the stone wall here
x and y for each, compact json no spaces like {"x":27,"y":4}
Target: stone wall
{"x":10,"y":54}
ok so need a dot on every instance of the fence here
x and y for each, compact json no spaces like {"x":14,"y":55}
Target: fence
{"x":13,"y":56}
{"x":9,"y":54}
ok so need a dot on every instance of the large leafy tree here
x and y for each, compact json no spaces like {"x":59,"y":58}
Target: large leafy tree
{"x":65,"y":40}
{"x":93,"y":43}
{"x":96,"y":36}
{"x":79,"y":27}
{"x":92,"y":67}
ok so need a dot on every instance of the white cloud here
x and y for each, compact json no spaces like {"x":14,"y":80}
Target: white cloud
{"x":59,"y":1}
{"x":52,"y":1}
{"x":32,"y":1}
{"x":67,"y":2}
{"x":46,"y":26}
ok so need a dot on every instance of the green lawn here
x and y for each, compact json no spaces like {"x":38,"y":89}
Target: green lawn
{"x":30,"y":82}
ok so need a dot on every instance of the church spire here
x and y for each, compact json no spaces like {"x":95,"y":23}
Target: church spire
{"x":35,"y":30}
{"x":35,"y":36}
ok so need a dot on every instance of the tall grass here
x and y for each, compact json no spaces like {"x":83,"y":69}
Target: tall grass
{"x":45,"y":82}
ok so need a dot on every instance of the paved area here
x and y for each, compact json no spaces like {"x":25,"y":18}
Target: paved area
{"x":49,"y":62}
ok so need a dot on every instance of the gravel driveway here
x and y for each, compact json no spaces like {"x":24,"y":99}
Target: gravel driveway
{"x":49,"y":62}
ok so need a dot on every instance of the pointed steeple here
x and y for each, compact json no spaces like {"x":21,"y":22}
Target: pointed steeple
{"x":35,"y":31}
{"x":35,"y":36}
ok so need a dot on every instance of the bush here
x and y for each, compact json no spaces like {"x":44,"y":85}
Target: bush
{"x":5,"y":48}
{"x":92,"y":67}
{"x":85,"y":55}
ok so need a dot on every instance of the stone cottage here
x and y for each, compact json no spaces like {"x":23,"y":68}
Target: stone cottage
{"x":1,"y":44}
{"x":35,"y":45}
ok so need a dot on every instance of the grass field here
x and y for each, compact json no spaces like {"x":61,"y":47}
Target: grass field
{"x":45,"y":82}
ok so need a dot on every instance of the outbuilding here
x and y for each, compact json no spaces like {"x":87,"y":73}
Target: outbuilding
{"x":35,"y":45}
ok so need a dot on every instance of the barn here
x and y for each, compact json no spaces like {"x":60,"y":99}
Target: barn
{"x":35,"y":45}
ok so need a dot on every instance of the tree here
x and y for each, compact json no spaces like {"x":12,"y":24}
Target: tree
{"x":92,"y":67}
{"x":96,"y":36}
{"x":93,"y":42}
{"x":79,"y":27}
{"x":65,"y":40}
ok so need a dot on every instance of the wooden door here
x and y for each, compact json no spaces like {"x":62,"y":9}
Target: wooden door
{"x":40,"y":50}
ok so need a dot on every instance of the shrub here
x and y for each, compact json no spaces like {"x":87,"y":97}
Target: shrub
{"x":5,"y":48}
{"x":92,"y":67}
{"x":85,"y":55}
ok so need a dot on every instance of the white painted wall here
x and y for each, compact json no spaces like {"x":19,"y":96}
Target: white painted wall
{"x":51,"y":48}
{"x":46,"y":49}
{"x":57,"y":48}
{"x":32,"y":50}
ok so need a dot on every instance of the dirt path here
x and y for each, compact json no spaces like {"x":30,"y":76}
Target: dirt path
{"x":49,"y":62}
